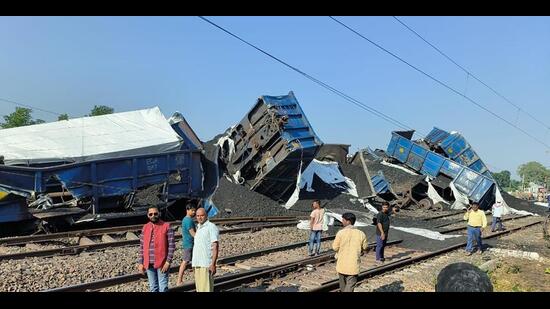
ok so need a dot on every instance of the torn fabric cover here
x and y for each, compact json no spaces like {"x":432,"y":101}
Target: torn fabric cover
{"x":116,"y":135}
{"x":328,"y":172}
{"x":461,"y":199}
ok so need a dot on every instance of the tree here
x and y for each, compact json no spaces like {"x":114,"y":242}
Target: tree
{"x":63,"y":117}
{"x":534,"y":172}
{"x":101,"y":110}
{"x":514,"y":185}
{"x":503,"y":178}
{"x":21,"y":117}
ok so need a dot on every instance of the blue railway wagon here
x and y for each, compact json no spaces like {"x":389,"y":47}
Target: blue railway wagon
{"x":271,"y":142}
{"x":455,"y":147}
{"x":477,"y":186}
{"x":100,"y":180}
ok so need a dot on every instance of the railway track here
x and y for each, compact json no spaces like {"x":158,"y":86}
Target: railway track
{"x":125,"y":236}
{"x":229,"y":261}
{"x":463,"y":225}
{"x":331,"y":286}
{"x":317,"y":274}
{"x":129,"y":228}
{"x":265,"y":272}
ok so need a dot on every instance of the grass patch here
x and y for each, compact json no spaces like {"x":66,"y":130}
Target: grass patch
{"x":514,"y":269}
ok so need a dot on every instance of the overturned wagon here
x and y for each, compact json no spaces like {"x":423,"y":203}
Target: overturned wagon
{"x":90,"y":168}
{"x":267,"y":149}
{"x":476,"y":186}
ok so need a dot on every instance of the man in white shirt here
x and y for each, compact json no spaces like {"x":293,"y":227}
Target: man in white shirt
{"x":205,"y":252}
{"x":496,"y":212}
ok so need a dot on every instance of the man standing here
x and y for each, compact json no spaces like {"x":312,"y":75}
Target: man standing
{"x":156,"y":250}
{"x":349,"y":245}
{"x":496,"y":213}
{"x":205,"y":252}
{"x":476,"y":222}
{"x":316,"y":227}
{"x":187,"y":232}
{"x":382,"y":231}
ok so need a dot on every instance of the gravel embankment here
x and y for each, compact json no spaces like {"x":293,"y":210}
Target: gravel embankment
{"x":35,"y":274}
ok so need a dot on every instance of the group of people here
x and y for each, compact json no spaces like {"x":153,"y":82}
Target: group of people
{"x":200,"y":249}
{"x":350,"y":243}
{"x":200,"y":244}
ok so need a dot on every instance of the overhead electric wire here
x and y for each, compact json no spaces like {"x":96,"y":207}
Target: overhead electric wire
{"x":31,"y":107}
{"x":471,"y":74}
{"x":441,"y":83}
{"x":315,"y":80}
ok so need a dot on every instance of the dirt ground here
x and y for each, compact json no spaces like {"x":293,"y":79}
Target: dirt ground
{"x":521,"y":274}
{"x":520,"y":262}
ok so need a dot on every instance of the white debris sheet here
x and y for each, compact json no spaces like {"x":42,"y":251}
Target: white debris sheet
{"x":328,"y":172}
{"x":424,"y":232}
{"x":399,"y":167}
{"x":362,"y":219}
{"x":138,"y":132}
{"x":461,"y":200}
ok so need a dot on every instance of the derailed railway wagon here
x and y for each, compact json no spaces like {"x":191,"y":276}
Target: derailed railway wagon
{"x":475,"y":185}
{"x":267,"y":148}
{"x":455,"y":147}
{"x":91,"y":168}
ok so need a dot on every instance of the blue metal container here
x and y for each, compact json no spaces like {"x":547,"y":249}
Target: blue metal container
{"x":455,"y":147}
{"x":477,"y":186}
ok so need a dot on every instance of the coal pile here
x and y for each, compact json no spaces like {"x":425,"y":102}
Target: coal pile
{"x":357,"y":174}
{"x":399,"y":180}
{"x":520,"y":204}
{"x":241,"y":202}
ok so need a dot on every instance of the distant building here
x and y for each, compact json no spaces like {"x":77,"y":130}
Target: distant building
{"x":533,"y":188}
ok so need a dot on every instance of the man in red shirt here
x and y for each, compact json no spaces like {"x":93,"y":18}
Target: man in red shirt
{"x":156,"y":250}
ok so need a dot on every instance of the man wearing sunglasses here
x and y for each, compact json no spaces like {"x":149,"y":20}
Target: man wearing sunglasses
{"x":156,"y":250}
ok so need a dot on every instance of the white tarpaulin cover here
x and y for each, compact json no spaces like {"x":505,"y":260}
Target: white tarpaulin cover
{"x":424,"y":232}
{"x":329,"y":173}
{"x":89,"y":138}
{"x":461,"y":199}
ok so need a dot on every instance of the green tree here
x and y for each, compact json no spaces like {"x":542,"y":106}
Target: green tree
{"x":535,"y":172}
{"x":101,"y":110}
{"x":63,"y":117}
{"x":503,"y":178}
{"x":21,"y":117}
{"x":514,"y":185}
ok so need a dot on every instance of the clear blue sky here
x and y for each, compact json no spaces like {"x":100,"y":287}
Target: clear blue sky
{"x":68,"y":64}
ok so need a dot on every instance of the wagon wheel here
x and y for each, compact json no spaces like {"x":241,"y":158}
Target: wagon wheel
{"x":425,"y":203}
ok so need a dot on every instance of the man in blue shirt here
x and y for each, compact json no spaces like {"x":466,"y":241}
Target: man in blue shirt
{"x":188,"y":233}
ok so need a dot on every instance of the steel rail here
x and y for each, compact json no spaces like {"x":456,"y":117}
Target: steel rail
{"x":333,"y":285}
{"x":73,"y":250}
{"x":128,"y":228}
{"x":100,"y":284}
